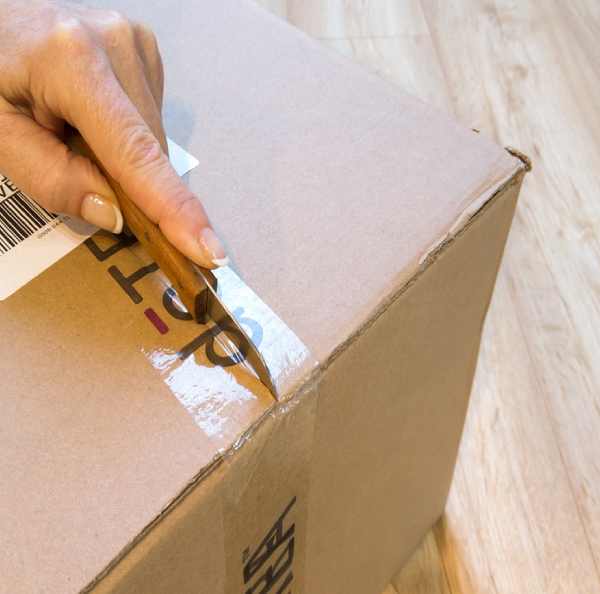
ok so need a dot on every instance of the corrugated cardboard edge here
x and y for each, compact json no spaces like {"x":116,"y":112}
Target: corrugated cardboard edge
{"x":308,"y":383}
{"x":435,"y":251}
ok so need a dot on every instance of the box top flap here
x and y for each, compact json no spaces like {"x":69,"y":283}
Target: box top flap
{"x":327,"y":183}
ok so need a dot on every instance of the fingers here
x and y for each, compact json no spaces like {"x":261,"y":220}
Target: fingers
{"x":117,"y":111}
{"x":43,"y":167}
{"x":119,"y":135}
{"x":104,"y":76}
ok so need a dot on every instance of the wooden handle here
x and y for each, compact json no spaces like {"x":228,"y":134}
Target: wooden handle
{"x":189,"y":284}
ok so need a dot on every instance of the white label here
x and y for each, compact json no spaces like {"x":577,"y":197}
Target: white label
{"x":181,"y":160}
{"x":32,"y":239}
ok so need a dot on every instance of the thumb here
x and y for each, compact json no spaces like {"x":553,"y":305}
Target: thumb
{"x":61,"y":181}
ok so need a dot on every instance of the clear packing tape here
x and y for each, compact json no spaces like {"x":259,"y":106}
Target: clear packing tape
{"x":210,"y":373}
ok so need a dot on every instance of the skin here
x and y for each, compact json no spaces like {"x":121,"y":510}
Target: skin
{"x":102,"y":74}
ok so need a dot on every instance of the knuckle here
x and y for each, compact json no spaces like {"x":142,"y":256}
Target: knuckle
{"x":118,"y":29}
{"x":176,"y":206}
{"x":117,"y":22}
{"x":69,"y":35}
{"x":141,"y":149}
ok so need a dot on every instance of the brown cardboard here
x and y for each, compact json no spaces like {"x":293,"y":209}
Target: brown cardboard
{"x":372,"y":225}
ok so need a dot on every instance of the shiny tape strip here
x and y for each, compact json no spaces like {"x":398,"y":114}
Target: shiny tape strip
{"x":201,"y":375}
{"x":280,"y":347}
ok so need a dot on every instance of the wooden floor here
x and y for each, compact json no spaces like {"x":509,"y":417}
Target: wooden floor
{"x":523,"y":515}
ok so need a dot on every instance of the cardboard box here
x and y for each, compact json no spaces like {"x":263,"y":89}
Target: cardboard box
{"x":366,"y":230}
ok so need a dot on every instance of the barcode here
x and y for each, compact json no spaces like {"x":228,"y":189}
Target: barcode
{"x":20,"y":218}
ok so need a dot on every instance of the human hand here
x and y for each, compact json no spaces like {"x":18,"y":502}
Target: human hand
{"x":62,"y":63}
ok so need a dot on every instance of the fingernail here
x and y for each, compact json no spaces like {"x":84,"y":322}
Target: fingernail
{"x":212,"y":248}
{"x":102,"y":212}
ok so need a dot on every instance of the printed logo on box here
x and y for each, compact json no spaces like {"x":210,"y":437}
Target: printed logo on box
{"x":269,"y":568}
{"x":176,"y":310}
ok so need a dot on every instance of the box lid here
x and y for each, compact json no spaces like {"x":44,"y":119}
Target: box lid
{"x":329,"y":187}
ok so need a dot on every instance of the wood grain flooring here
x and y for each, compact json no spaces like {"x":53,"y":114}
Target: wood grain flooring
{"x":523,"y":515}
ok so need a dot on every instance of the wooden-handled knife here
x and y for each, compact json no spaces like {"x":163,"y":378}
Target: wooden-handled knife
{"x":196,"y":287}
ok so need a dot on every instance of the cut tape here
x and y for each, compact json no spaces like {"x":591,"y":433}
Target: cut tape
{"x":206,"y":385}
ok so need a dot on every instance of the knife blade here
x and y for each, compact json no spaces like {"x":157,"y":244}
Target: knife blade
{"x":225,"y":320}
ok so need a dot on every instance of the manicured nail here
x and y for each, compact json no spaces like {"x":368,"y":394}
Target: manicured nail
{"x":102,"y":212}
{"x":212,"y":248}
